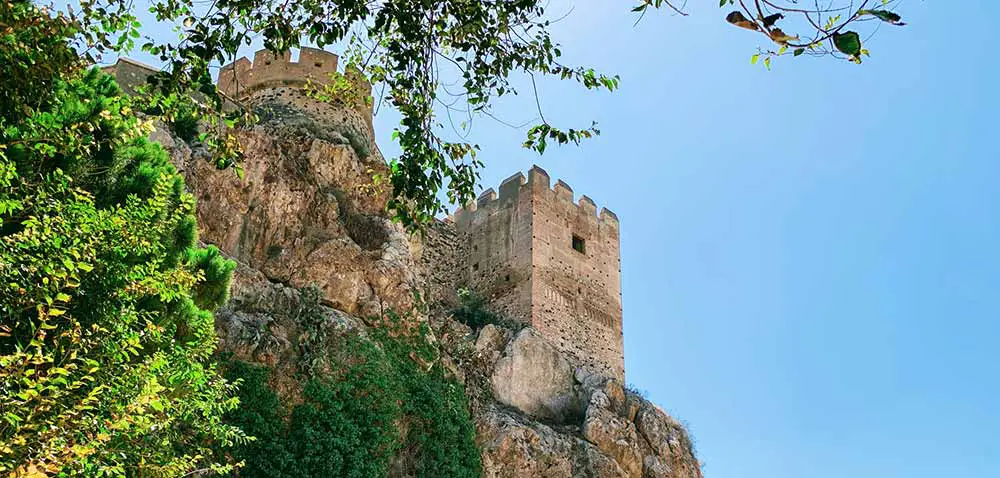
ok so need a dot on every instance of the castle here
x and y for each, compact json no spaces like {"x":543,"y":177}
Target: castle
{"x":545,"y":260}
{"x":537,"y":255}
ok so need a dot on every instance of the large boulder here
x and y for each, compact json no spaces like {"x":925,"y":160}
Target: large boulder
{"x":534,"y":377}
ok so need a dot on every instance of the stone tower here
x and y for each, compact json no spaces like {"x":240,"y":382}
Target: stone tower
{"x":550,"y":262}
{"x":274,"y":79}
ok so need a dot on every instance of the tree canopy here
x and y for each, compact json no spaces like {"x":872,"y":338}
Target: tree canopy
{"x":411,"y":48}
{"x":106,"y":331}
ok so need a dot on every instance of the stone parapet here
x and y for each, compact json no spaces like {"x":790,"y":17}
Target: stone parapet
{"x":537,"y":178}
{"x":242,"y":78}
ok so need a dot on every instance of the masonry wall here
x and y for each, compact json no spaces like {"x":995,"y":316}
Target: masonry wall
{"x":130,"y":74}
{"x":442,"y":260}
{"x":496,"y":232}
{"x":242,"y":78}
{"x":521,"y":257}
{"x":272,"y":74}
{"x":576,"y":296}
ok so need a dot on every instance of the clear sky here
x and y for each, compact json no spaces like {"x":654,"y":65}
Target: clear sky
{"x":810,"y":255}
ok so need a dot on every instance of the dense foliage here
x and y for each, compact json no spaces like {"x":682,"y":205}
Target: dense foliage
{"x":437,"y":59}
{"x":106,"y":330}
{"x":386,"y":397}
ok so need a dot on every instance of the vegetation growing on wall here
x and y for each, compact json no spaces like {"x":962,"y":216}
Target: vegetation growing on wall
{"x":378,"y":402}
{"x":472,"y":311}
{"x":185,"y":124}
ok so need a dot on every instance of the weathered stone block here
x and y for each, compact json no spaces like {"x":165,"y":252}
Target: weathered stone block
{"x":536,"y":379}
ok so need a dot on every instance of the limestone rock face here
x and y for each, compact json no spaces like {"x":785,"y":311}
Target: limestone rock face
{"x":516,"y":448}
{"x":306,"y":212}
{"x":535,"y":378}
{"x":604,"y":430}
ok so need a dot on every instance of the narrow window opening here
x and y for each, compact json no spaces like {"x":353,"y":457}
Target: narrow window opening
{"x":475,"y":267}
{"x":318,"y":64}
{"x":579,"y":245}
{"x":507,"y":278}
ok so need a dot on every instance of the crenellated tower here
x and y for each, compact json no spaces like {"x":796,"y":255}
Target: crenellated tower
{"x":549,"y":261}
{"x":273,"y":78}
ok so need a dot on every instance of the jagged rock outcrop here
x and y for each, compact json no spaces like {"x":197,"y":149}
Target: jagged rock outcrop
{"x":306,"y":213}
{"x":602,"y":430}
{"x":576,"y":424}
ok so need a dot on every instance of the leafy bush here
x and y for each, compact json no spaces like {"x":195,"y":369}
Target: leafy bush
{"x":106,"y":330}
{"x":185,"y":124}
{"x":349,"y":421}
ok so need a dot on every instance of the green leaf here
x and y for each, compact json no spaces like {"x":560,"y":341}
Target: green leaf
{"x":848,"y":43}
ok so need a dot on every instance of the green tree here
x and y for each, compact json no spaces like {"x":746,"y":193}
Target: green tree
{"x":413,"y":47}
{"x":106,"y":331}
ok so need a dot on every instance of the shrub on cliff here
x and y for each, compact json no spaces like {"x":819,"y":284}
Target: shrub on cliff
{"x":379,"y":402}
{"x":106,"y":330}
{"x":472,"y":311}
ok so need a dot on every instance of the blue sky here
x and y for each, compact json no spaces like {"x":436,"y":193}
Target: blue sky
{"x":811,"y":255}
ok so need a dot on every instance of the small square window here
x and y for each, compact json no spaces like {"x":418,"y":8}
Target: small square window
{"x":579,"y":244}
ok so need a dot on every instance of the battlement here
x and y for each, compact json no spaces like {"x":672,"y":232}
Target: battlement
{"x":242,"y":78}
{"x":536,"y":182}
{"x":546,"y":258}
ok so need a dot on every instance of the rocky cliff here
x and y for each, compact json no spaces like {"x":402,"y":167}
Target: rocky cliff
{"x":306,"y":214}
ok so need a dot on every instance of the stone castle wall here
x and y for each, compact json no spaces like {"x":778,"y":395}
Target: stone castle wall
{"x":521,"y":256}
{"x":130,"y":74}
{"x":273,"y":87}
{"x":496,"y":232}
{"x":244,"y":80}
{"x":576,"y":296}
{"x":442,"y":265}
